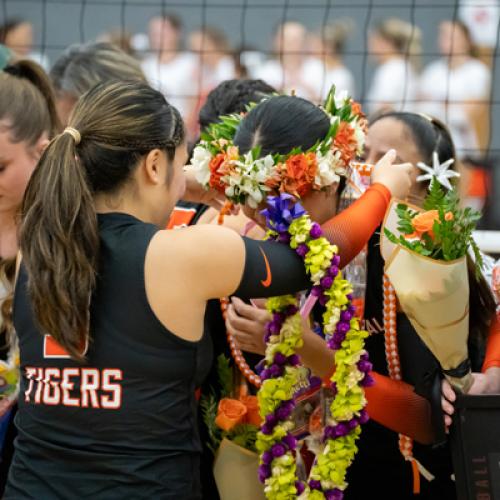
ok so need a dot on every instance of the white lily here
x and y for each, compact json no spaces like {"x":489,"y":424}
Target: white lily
{"x":438,"y":171}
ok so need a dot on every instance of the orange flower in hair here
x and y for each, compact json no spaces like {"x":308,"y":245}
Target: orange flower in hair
{"x":345,"y":141}
{"x":300,"y":173}
{"x":215,"y":169}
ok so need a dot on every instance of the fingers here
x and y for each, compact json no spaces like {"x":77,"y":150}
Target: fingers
{"x":448,"y":392}
{"x":446,"y":403}
{"x":250,"y":312}
{"x":235,"y":321}
{"x":388,"y":158}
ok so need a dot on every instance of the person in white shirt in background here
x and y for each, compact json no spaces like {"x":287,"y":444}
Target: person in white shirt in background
{"x":292,"y":69}
{"x":395,"y":45}
{"x":17,"y":35}
{"x":214,"y":63}
{"x":167,"y":68}
{"x":456,"y":88}
{"x":327,"y":45}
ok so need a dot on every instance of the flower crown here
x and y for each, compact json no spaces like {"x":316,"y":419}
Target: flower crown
{"x":218,"y":164}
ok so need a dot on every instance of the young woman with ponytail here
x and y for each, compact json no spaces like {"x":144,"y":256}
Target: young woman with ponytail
{"x":28,"y":120}
{"x":109,"y":309}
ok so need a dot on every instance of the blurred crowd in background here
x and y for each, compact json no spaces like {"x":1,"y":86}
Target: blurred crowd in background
{"x":455,"y":87}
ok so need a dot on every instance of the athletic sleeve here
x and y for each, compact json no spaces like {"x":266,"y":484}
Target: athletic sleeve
{"x":271,"y":269}
{"x":395,"y":405}
{"x":352,"y":228}
{"x":492,"y":357}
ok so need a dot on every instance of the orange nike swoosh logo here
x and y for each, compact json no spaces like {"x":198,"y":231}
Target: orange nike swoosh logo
{"x":269,"y":277}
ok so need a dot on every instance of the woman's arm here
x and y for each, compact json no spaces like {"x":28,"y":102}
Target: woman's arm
{"x":392,"y":403}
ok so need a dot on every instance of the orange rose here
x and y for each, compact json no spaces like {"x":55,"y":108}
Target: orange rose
{"x":300,"y":173}
{"x":424,"y":222}
{"x":252,"y":405}
{"x":448,"y":216}
{"x":345,"y":142}
{"x":231,"y":413}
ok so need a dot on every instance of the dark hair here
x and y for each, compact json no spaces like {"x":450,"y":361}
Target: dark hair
{"x":8,"y":26}
{"x":430,"y":135}
{"x":118,"y":124}
{"x":25,"y":86}
{"x":81,"y":67}
{"x":232,"y":96}
{"x":473,"y":49}
{"x":280,"y":124}
{"x":27,"y":107}
{"x":174,"y":20}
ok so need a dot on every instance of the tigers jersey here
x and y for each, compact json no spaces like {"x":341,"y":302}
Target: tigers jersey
{"x":122,"y":424}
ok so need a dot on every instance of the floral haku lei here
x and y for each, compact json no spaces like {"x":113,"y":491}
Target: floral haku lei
{"x":217,"y":163}
{"x":283,"y":374}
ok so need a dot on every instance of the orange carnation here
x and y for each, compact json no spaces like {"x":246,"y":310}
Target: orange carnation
{"x":252,"y":405}
{"x":231,"y":412}
{"x":300,"y":173}
{"x":216,"y":172}
{"x":345,"y":142}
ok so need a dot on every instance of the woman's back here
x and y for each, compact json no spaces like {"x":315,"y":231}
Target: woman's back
{"x":121,"y":424}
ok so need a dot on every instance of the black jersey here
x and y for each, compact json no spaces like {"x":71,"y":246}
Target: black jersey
{"x":379,"y":455}
{"x":123,"y":424}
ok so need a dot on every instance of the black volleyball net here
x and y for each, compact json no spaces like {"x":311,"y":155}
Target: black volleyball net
{"x":438,"y":57}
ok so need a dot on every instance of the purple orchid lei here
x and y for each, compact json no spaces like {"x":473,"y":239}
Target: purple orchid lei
{"x":282,"y":371}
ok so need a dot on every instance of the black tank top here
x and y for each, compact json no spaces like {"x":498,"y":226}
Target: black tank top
{"x":122,"y":425}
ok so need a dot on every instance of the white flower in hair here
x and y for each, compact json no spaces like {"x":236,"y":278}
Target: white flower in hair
{"x":341,"y":98}
{"x":328,"y":165}
{"x":438,"y":171}
{"x":200,"y":162}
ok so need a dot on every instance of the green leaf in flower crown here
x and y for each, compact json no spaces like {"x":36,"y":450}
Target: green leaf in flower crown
{"x":329,"y":104}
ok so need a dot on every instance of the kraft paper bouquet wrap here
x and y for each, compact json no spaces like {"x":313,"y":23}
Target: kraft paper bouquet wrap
{"x":425,"y":252}
{"x":232,"y":420}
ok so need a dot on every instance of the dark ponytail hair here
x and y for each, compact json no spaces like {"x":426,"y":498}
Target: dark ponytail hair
{"x":280,"y":124}
{"x":429,"y":135}
{"x":114,"y":126}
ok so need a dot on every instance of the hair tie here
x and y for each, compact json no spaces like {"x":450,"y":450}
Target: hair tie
{"x":73,"y":133}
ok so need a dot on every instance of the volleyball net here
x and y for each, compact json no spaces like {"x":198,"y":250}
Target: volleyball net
{"x":434,"y":56}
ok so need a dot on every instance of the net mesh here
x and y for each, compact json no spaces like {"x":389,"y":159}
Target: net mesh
{"x":243,"y":38}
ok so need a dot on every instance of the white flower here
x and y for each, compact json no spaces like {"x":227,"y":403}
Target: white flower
{"x":438,"y":171}
{"x":200,"y":162}
{"x":341,"y":98}
{"x":248,"y":178}
{"x":327,"y":166}
{"x":359,"y":134}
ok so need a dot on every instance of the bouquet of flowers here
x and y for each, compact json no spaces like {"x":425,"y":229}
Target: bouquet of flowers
{"x":232,"y":423}
{"x":426,"y":261}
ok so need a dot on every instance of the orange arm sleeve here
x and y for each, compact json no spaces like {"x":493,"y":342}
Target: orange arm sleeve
{"x":492,"y":357}
{"x":352,"y":228}
{"x":395,"y":405}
